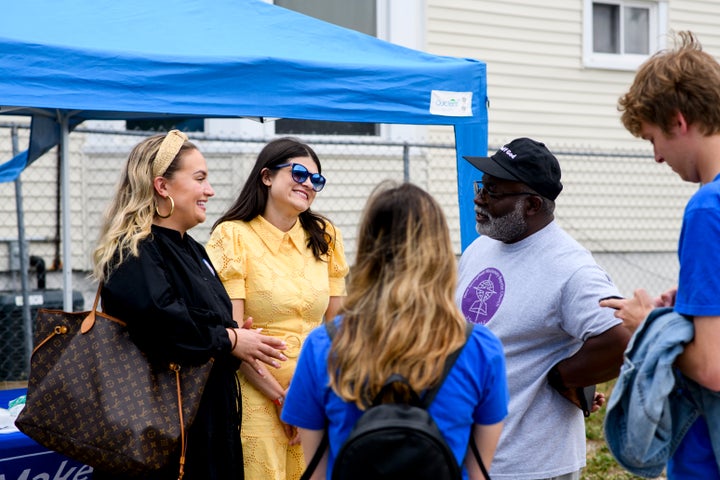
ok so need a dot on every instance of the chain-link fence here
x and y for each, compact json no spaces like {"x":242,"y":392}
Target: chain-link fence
{"x":621,"y":205}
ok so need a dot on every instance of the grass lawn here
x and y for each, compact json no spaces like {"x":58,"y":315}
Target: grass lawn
{"x":600,"y":463}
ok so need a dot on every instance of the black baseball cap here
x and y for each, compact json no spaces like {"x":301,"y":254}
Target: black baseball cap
{"x":524,"y":160}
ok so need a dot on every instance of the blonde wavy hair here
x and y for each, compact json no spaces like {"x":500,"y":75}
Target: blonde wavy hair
{"x":400,"y":315}
{"x":130,"y":215}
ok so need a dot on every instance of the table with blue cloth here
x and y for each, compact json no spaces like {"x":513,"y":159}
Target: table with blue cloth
{"x":21,"y":458}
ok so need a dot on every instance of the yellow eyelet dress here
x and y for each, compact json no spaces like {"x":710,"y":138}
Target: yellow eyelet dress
{"x":286,"y":292}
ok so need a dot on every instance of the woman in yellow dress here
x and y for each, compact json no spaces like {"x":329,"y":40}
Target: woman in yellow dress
{"x":284,"y":269}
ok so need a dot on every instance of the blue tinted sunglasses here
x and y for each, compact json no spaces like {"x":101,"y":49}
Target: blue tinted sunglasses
{"x":300,"y":174}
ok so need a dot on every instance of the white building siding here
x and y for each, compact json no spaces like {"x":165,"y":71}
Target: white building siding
{"x":537,"y":84}
{"x":538,"y":87}
{"x":700,"y":16}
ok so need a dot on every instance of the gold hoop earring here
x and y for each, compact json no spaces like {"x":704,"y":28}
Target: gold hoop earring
{"x":172,"y":208}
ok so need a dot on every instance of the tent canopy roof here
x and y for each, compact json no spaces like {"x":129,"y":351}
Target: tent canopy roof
{"x":226,"y":58}
{"x":69,"y":61}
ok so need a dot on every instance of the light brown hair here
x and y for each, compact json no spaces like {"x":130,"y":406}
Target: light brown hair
{"x":682,"y":80}
{"x":400,"y":315}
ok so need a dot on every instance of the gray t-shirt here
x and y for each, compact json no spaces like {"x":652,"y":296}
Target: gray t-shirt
{"x":540,"y":297}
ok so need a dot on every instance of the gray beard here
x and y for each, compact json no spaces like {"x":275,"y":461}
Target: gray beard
{"x":508,"y":228}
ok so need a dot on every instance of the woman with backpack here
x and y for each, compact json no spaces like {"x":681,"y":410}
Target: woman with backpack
{"x":399,"y":320}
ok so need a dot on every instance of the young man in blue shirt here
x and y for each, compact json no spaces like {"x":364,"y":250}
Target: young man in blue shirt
{"x":674,"y":103}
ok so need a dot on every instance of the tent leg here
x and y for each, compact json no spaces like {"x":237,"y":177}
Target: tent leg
{"x":26,"y":314}
{"x":65,"y":206}
{"x":469,"y":140}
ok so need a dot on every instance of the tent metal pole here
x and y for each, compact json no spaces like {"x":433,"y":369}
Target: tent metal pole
{"x":26,"y":315}
{"x":65,"y":207}
{"x":406,"y":162}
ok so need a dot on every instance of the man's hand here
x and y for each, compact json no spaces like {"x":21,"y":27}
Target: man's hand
{"x":598,"y":401}
{"x":632,"y":311}
{"x":585,"y":398}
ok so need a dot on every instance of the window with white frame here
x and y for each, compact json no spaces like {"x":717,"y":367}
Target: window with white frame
{"x":621,"y":34}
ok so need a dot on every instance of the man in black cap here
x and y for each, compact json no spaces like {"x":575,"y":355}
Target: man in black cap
{"x":538,"y":289}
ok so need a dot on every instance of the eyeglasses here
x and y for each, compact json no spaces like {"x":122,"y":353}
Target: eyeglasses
{"x":481,"y":191}
{"x":300,"y":174}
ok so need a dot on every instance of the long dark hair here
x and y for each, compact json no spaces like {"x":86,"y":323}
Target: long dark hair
{"x":254,"y":195}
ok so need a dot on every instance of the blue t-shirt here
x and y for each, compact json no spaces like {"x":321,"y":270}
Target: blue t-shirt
{"x":698,"y":295}
{"x":474,"y":392}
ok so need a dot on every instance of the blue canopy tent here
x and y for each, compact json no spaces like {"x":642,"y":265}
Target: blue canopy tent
{"x":66,"y":62}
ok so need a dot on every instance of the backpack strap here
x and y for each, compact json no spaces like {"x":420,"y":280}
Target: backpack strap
{"x":425,"y":403}
{"x":476,"y":452}
{"x":449,"y":362}
{"x":430,"y":395}
{"x":388,"y":386}
{"x":319,"y":454}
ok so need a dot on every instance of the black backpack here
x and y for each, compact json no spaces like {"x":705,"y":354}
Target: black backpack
{"x":396,"y":440}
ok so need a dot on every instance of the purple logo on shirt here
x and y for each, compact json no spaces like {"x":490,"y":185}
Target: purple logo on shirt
{"x":483,"y":296}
